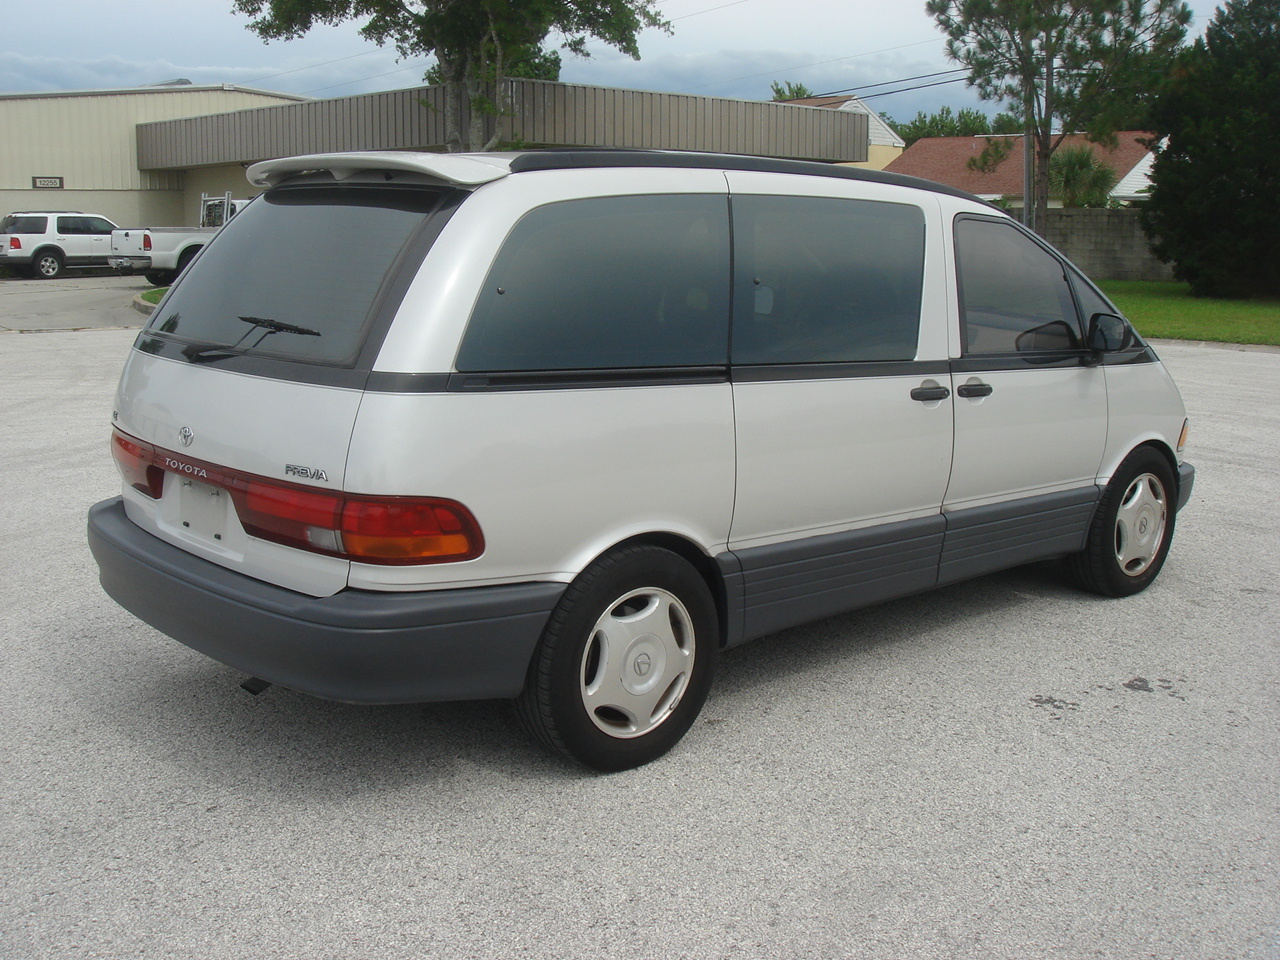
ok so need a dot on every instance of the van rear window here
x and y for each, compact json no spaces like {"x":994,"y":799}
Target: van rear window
{"x":297,"y":275}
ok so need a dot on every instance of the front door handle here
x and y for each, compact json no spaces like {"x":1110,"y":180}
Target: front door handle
{"x":930,"y":394}
{"x":972,"y":390}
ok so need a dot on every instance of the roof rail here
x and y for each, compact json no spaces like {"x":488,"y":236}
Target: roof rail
{"x":574,"y":159}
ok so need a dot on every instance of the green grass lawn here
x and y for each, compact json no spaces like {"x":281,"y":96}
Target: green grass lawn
{"x":1167,"y":310}
{"x":154,"y":296}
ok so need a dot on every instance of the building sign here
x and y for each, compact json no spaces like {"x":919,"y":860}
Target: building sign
{"x":46,"y":183}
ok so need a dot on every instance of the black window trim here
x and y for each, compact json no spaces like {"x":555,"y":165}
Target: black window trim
{"x":1015,"y":361}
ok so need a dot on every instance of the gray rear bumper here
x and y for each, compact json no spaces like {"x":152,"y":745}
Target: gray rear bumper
{"x":356,"y":645}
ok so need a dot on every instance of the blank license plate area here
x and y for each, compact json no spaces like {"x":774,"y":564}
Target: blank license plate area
{"x":203,"y":511}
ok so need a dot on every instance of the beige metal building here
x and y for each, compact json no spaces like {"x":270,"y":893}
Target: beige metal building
{"x":77,"y":150}
{"x":145,"y":156}
{"x":212,"y":151}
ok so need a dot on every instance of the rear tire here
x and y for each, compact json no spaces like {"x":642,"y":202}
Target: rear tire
{"x":1132,"y":529}
{"x":625,"y":662}
{"x":47,"y":265}
{"x":160,"y":278}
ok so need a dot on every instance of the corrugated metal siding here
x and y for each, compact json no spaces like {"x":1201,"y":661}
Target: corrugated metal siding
{"x":89,"y":139}
{"x":542,"y":113}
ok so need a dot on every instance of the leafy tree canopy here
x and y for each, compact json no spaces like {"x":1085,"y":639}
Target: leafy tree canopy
{"x":966,"y":122}
{"x":790,"y":91}
{"x":1063,"y":65}
{"x":1215,"y":196}
{"x":473,"y":41}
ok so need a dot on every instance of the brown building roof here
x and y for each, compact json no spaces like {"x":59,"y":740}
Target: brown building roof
{"x":945,"y":160}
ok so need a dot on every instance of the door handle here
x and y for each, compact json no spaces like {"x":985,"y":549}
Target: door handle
{"x":972,"y":390}
{"x":930,"y":394}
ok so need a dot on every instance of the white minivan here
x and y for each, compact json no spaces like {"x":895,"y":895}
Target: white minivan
{"x":561,"y":426}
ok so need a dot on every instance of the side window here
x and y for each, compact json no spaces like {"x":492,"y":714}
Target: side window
{"x":609,"y":282}
{"x":1014,"y":294}
{"x":97,"y":225}
{"x":73,"y":226}
{"x":822,"y":280}
{"x":23,"y":224}
{"x":1090,"y":300}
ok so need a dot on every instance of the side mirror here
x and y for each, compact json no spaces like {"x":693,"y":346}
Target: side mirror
{"x":1109,"y":334}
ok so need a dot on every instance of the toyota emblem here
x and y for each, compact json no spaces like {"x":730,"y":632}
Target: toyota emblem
{"x":642,"y":665}
{"x":186,"y":436}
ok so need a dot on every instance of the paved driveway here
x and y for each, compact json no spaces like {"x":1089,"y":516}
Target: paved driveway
{"x":1000,"y":769}
{"x":78,"y":301}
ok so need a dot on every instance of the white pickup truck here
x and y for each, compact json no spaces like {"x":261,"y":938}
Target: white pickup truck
{"x":161,"y":253}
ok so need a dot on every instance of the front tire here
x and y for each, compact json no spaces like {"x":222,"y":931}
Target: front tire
{"x":47,"y":265}
{"x":1132,"y":529}
{"x":625,"y":662}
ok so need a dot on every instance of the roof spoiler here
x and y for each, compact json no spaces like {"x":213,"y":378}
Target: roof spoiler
{"x":467,"y":171}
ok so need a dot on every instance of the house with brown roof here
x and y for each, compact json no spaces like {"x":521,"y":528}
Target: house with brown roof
{"x":883,"y":143}
{"x":947,"y":160}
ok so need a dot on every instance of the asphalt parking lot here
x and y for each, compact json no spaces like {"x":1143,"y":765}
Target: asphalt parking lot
{"x":1001,"y":769}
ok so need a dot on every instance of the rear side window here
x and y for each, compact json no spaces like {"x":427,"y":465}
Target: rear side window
{"x":822,"y":280}
{"x":607,"y":283}
{"x":1015,"y":294}
{"x":23,"y":224}
{"x":296,"y":276}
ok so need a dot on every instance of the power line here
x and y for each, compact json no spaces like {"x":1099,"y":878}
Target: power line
{"x":888,"y":83}
{"x":921,"y":86}
{"x":804,"y":66}
{"x":412,"y":66}
{"x":686,"y":16}
{"x":312,"y":66}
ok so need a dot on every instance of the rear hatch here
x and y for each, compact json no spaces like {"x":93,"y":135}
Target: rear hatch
{"x":236,"y":406}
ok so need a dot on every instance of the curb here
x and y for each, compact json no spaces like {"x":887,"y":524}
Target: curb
{"x":143,"y":307}
{"x":1218,"y":345}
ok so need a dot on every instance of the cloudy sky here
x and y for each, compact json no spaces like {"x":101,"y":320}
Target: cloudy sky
{"x":729,"y":48}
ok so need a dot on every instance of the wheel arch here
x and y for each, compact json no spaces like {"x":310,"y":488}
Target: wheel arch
{"x":48,"y":248}
{"x":696,"y":557}
{"x":1155,"y":442}
{"x":188,"y":254}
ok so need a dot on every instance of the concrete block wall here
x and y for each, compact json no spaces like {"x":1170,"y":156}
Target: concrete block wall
{"x":1105,"y":244}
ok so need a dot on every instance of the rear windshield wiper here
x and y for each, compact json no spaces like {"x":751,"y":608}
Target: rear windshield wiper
{"x":209,"y":352}
{"x":278,"y":326}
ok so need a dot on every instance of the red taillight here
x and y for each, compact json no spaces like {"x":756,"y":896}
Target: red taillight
{"x":146,"y":242}
{"x":15,"y":243}
{"x":293,"y":515}
{"x":138,"y":464}
{"x":409,"y":529}
{"x":382,"y":530}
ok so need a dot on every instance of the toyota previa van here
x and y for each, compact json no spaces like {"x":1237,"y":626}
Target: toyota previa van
{"x":562,"y":426}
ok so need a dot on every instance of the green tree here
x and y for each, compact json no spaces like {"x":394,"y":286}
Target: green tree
{"x":791,"y":91}
{"x":473,"y":41}
{"x":1061,"y":64}
{"x":1079,"y":179}
{"x":966,"y":122}
{"x":532,"y":63}
{"x":1214,"y":207}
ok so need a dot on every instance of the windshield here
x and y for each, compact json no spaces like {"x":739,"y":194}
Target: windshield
{"x":296,"y":275}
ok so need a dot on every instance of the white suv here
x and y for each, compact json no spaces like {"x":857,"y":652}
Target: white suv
{"x":43,"y":243}
{"x":562,"y":426}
